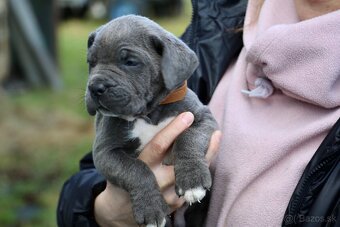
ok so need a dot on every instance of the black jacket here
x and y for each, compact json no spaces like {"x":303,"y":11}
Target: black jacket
{"x":213,"y":35}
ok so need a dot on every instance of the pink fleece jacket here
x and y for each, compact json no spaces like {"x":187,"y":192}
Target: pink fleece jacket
{"x":269,"y":139}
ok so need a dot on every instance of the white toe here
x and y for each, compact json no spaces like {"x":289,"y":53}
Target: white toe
{"x":194,"y":195}
{"x":151,"y":225}
{"x":163,"y":223}
{"x":155,"y":225}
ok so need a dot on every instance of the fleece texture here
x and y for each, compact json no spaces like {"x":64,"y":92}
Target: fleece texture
{"x":267,"y":141}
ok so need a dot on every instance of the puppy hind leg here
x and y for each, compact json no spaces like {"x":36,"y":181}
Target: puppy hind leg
{"x":133,"y":175}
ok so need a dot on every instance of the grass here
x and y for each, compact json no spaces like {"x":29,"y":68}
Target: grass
{"x":43,"y":134}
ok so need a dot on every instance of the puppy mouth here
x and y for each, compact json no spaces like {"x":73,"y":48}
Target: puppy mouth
{"x":94,"y":105}
{"x":101,"y":106}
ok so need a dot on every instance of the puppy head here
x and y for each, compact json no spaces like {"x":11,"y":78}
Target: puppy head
{"x":133,"y":65}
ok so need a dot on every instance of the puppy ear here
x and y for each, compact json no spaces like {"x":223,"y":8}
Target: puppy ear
{"x":178,"y":60}
{"x":90,"y":40}
{"x":92,"y":36}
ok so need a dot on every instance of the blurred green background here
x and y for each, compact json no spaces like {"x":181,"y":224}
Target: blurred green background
{"x":44,"y":133}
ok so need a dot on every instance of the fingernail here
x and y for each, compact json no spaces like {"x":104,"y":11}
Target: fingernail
{"x":188,"y":118}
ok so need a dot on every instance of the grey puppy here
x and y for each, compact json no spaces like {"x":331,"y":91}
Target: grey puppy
{"x":134,"y":64}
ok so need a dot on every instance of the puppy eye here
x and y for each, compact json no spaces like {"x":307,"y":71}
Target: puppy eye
{"x":130,"y":62}
{"x":127,"y":59}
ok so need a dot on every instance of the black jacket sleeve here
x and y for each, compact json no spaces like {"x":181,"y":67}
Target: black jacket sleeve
{"x":76,"y":201}
{"x":316,"y":198}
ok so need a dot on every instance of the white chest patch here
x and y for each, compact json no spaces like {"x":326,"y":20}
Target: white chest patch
{"x":145,"y":131}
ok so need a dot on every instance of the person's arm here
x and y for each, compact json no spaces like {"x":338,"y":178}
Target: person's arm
{"x":113,"y":207}
{"x":76,"y":201}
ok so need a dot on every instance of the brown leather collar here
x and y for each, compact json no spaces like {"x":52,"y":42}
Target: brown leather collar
{"x":176,"y":95}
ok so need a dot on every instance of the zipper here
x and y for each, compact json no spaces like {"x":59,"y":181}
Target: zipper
{"x":296,"y":204}
{"x":193,"y":22}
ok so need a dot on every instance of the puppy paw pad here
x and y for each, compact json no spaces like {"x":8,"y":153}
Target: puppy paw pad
{"x":194,"y":195}
{"x":155,"y":225}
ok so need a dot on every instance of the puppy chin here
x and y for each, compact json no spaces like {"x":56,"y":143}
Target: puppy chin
{"x":107,"y":113}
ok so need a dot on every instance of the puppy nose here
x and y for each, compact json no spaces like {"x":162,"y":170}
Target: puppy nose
{"x":97,"y":89}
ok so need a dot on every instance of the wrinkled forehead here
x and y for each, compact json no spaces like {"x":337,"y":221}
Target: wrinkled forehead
{"x":120,"y":32}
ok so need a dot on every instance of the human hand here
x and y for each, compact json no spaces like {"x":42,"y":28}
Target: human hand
{"x":112,"y":207}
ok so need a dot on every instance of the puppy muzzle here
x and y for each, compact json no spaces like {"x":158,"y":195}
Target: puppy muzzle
{"x":110,"y":97}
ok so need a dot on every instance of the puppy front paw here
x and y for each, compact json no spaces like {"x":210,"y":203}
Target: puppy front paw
{"x":192,"y":180}
{"x":150,"y":211}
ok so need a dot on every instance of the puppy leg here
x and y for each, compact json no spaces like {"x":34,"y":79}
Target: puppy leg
{"x":131,"y":174}
{"x":192,"y":173}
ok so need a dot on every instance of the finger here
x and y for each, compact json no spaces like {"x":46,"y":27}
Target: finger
{"x":172,"y":199}
{"x":213,"y":146}
{"x":155,"y":150}
{"x":165,"y":176}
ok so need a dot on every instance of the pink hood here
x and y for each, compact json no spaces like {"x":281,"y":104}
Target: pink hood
{"x":271,"y":132}
{"x":305,"y":53}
